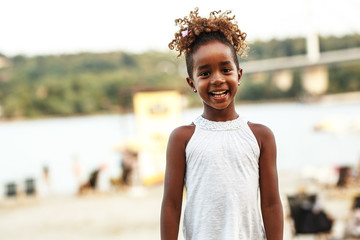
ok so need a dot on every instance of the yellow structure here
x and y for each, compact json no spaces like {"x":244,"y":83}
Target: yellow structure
{"x":157,"y":114}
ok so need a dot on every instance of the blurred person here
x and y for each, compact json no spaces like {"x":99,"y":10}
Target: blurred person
{"x":222,"y":159}
{"x":308,"y":214}
{"x":47,"y":181}
{"x":91,"y":185}
{"x":344,"y":176}
{"x":128,"y":166}
{"x":46,"y":174}
{"x":42,"y":186}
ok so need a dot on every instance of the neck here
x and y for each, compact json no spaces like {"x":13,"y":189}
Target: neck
{"x":220,"y":115}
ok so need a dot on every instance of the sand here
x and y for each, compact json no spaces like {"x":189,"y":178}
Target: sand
{"x":132,"y":214}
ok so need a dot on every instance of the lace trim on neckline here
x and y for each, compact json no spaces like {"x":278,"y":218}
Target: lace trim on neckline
{"x":212,"y":125}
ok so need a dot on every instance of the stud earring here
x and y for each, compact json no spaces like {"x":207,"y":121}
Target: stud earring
{"x":238,"y":84}
{"x":194,"y":90}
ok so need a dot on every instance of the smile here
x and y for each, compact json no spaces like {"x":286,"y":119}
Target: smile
{"x":219,"y":94}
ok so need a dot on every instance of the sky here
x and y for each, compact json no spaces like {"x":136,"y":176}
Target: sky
{"x":43,"y":27}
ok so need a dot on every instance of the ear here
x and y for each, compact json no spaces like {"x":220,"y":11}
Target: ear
{"x":239,"y":75}
{"x":191,"y":83}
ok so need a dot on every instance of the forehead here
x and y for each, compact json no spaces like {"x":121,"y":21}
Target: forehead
{"x":211,"y":53}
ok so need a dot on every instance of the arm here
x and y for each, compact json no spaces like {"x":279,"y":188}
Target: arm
{"x":174,"y":183}
{"x":271,"y":206}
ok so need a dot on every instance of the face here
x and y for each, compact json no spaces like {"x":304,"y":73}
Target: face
{"x":215,"y":77}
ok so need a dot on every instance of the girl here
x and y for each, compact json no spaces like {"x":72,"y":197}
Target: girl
{"x":222,"y":159}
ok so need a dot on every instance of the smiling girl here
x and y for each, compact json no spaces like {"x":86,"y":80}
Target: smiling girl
{"x":226,"y":163}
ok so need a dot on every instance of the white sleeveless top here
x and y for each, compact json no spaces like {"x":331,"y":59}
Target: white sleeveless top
{"x":222,"y":182}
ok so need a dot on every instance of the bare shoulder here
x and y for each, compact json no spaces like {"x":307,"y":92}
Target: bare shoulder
{"x":260,"y":129}
{"x":182,"y":134}
{"x":262,"y":133}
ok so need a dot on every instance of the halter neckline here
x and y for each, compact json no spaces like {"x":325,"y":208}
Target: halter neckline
{"x":204,"y":123}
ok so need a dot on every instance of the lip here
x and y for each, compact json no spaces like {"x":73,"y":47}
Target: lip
{"x":219,"y":94}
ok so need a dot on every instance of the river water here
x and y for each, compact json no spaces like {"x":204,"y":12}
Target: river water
{"x":27,"y":146}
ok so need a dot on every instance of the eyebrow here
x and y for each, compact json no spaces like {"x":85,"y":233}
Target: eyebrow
{"x":203,"y":67}
{"x":225,"y":63}
{"x":207,"y":65}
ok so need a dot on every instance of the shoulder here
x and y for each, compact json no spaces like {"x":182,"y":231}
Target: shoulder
{"x":260,"y":129}
{"x":262,"y":133}
{"x":182,"y":134}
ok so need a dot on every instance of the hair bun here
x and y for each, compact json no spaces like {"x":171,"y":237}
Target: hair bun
{"x":192,"y":26}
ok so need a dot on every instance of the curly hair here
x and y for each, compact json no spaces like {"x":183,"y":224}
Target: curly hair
{"x":195,"y":31}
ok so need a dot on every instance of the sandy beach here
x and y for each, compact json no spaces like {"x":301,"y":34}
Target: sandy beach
{"x":132,"y":214}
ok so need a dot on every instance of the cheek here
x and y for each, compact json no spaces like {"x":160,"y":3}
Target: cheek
{"x":235,"y":88}
{"x":202,"y":85}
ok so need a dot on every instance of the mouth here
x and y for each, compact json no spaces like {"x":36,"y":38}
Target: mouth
{"x":219,"y":94}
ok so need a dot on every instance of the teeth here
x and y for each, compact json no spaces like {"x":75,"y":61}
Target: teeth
{"x":219,"y":92}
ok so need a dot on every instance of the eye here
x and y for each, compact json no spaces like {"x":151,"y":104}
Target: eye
{"x":204,"y":74}
{"x":227,"y":70}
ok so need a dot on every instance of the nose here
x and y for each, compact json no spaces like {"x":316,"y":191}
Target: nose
{"x":217,"y":79}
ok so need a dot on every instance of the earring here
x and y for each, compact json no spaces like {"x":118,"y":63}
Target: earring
{"x":194,"y":90}
{"x":238,"y":84}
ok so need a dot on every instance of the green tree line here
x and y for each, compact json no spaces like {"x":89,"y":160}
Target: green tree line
{"x":88,"y":83}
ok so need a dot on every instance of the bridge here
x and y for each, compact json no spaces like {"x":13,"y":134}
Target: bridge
{"x":313,"y":66}
{"x":338,"y":57}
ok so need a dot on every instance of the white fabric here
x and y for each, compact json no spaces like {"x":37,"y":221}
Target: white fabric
{"x":222,"y":182}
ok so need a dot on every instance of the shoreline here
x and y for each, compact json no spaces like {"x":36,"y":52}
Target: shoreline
{"x":338,"y":98}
